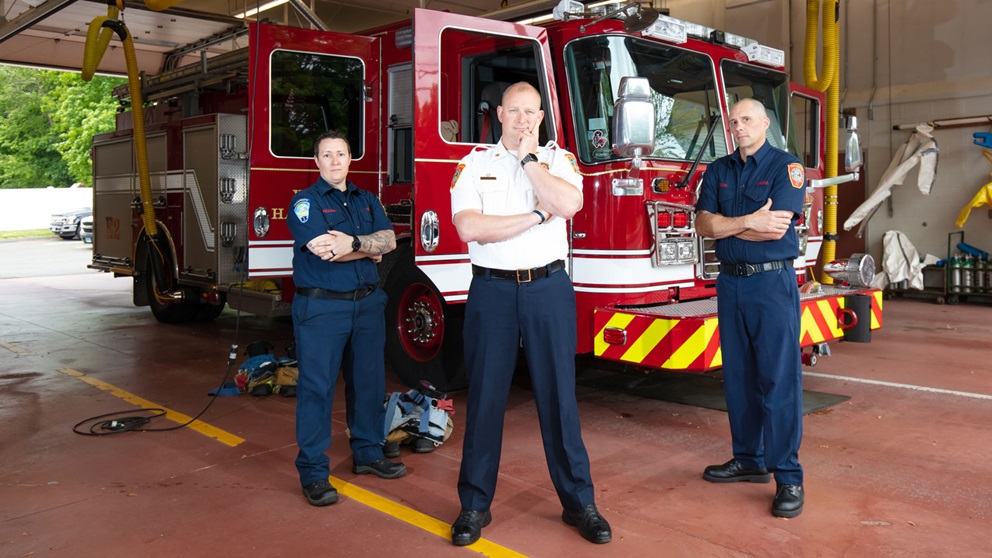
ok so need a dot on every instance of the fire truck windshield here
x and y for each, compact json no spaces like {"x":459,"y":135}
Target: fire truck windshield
{"x":771,"y":87}
{"x":683,"y":90}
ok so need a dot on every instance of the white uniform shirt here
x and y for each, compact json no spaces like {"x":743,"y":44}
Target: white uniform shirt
{"x":491,"y":180}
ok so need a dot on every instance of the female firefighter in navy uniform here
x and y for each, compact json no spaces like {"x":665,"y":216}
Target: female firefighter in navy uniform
{"x":340,"y":232}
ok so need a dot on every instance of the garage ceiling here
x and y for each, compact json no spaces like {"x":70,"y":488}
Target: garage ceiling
{"x":52,"y":33}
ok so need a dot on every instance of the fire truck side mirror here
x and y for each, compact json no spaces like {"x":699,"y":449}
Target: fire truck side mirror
{"x":633,"y":118}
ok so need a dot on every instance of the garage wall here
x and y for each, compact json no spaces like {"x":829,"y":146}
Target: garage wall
{"x":902,"y":62}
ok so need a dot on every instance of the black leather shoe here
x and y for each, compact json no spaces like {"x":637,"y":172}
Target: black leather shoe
{"x":468,"y":527}
{"x":592,"y":526}
{"x":320,"y":493}
{"x":382,"y":468}
{"x":733,"y":471}
{"x":788,"y":501}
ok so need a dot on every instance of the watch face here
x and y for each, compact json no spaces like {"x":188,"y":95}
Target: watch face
{"x":356,"y":244}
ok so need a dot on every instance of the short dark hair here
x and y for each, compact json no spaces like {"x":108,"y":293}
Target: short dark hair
{"x":333,"y":134}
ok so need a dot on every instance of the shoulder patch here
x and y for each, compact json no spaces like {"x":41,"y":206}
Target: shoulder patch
{"x":572,"y":161}
{"x":302,"y":209}
{"x":457,"y":175}
{"x":797,"y":175}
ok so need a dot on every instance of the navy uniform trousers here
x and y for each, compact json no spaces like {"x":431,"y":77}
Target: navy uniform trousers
{"x":329,"y":333}
{"x":498,"y":314}
{"x":762,"y":369}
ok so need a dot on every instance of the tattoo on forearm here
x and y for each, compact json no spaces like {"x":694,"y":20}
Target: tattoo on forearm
{"x":378,"y":243}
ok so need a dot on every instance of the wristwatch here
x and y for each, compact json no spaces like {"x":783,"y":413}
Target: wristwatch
{"x":356,"y":244}
{"x":529,"y":158}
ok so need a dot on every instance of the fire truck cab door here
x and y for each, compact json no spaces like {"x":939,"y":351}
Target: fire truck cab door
{"x":806,"y":136}
{"x":461,"y":67}
{"x":303,"y":83}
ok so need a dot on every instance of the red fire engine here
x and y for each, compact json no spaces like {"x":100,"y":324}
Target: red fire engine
{"x":229,"y":140}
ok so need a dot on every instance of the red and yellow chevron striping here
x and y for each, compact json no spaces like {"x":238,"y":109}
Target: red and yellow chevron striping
{"x":692,"y":344}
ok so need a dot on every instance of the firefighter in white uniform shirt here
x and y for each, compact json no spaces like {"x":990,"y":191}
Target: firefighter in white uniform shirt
{"x":510,"y":203}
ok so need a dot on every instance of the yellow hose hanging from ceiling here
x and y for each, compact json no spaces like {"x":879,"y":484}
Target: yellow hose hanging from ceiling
{"x":98,"y":36}
{"x":831,"y":84}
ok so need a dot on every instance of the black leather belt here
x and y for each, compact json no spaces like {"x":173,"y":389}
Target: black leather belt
{"x":357,"y":294}
{"x":519,"y":275}
{"x":747,"y":269}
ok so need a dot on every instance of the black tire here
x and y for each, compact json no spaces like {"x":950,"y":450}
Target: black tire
{"x":423,"y":334}
{"x":166,"y":312}
{"x":208,"y":312}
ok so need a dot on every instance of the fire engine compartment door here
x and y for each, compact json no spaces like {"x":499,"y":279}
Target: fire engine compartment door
{"x":114,"y":189}
{"x":461,"y":66}
{"x":304,"y":83}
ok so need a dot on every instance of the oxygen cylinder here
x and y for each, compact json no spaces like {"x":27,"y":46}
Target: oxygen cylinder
{"x":988,"y":276}
{"x":967,"y":273}
{"x":980,"y":265}
{"x":954,"y":275}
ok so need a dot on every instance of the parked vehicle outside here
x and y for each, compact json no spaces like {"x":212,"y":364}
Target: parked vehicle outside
{"x":68,"y":225}
{"x":86,"y":229}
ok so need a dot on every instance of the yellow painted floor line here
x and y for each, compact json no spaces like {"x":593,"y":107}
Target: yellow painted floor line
{"x":200,"y":426}
{"x":417,"y":519}
{"x":13,"y":348}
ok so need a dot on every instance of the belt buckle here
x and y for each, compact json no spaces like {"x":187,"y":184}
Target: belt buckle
{"x":745,"y":270}
{"x":520,"y":273}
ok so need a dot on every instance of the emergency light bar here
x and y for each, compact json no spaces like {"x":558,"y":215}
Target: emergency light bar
{"x":668,"y":29}
{"x":765,"y":55}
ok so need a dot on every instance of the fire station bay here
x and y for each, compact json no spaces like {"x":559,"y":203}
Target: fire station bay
{"x":663,"y":278}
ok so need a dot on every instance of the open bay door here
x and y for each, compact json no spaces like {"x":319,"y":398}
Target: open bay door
{"x":303,"y":83}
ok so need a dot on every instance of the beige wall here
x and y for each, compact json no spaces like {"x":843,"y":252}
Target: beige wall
{"x":902,"y":62}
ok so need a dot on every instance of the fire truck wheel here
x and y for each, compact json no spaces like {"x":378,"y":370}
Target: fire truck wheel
{"x":208,"y":312}
{"x":423,"y":334}
{"x":168,"y":312}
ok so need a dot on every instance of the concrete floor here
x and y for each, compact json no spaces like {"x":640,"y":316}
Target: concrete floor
{"x":900,"y":469}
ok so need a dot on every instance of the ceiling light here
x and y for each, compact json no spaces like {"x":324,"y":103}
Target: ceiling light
{"x":262,"y":8}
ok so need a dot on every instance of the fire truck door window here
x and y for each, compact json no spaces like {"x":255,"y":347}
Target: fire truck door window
{"x":401,"y":124}
{"x":311,"y":94}
{"x":476,"y":69}
{"x":771,"y":87}
{"x":683,"y":92}
{"x":805,"y":126}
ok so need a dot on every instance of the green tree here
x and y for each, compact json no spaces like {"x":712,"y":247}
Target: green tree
{"x":79,"y":110}
{"x":46,"y":121}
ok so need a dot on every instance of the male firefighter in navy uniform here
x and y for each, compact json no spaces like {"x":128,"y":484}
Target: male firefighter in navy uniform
{"x":750,"y":201}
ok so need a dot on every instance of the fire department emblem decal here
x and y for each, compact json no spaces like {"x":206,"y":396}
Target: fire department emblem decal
{"x":797,"y":175}
{"x":458,"y":173}
{"x":571,"y":160}
{"x":302,"y":210}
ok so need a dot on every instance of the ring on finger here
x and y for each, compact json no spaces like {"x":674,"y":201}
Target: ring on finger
{"x":333,"y":255}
